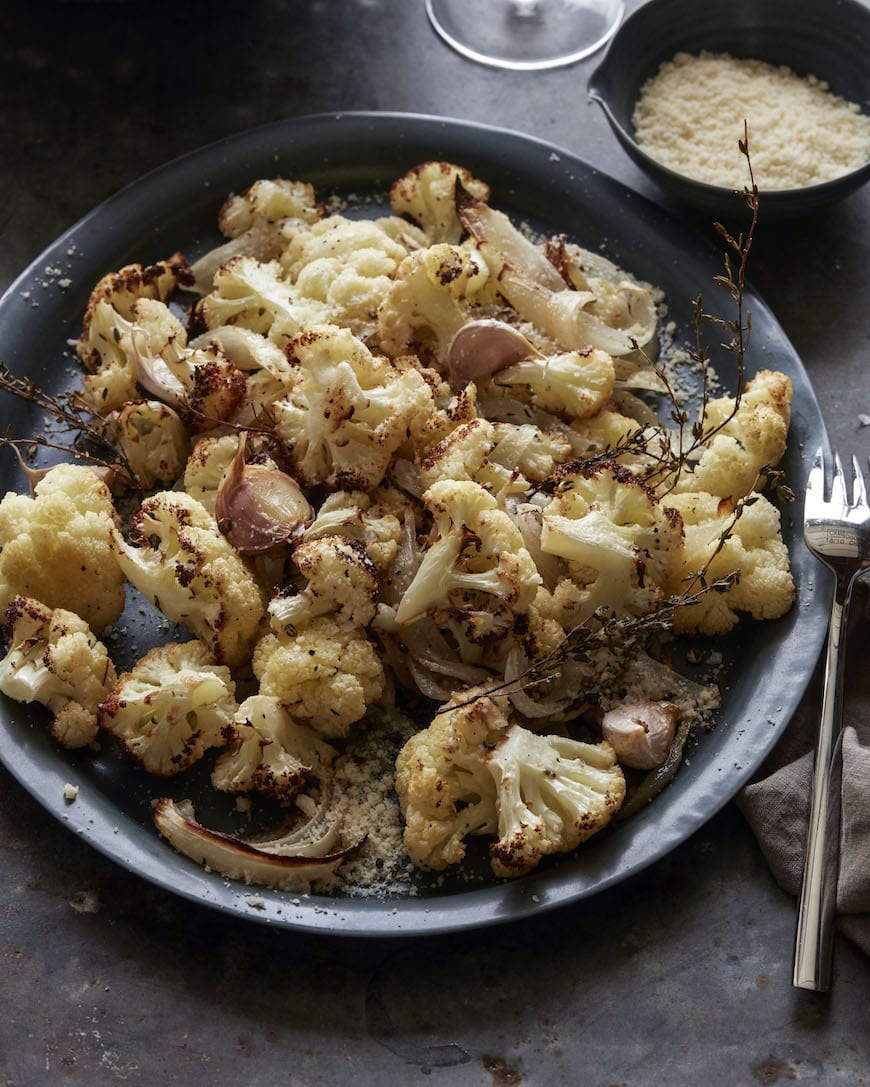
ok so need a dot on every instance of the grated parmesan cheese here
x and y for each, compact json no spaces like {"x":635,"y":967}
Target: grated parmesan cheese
{"x":690,"y":116}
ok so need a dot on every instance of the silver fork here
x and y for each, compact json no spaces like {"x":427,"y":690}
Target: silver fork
{"x":836,"y":531}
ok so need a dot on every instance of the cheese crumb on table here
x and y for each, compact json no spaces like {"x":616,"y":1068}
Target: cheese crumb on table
{"x":690,"y":117}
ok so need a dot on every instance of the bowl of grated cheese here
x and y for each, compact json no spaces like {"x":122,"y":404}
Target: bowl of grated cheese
{"x":681,"y":82}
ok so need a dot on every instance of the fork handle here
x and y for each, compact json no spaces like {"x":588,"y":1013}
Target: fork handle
{"x":814,"y":941}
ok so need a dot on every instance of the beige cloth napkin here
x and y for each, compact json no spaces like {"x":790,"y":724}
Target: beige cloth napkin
{"x":776,"y":803}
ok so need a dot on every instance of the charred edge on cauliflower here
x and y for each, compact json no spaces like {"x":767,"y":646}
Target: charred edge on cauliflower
{"x":135,"y":280}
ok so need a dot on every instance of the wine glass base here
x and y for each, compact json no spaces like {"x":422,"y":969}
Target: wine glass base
{"x":525,"y":35}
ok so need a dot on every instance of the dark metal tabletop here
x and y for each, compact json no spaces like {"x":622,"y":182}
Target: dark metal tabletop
{"x":679,"y":976}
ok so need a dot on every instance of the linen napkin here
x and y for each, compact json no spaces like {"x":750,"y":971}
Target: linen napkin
{"x":776,"y":804}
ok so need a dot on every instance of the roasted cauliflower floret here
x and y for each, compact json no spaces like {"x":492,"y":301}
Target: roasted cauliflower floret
{"x":57,"y":546}
{"x":54,"y":659}
{"x":325,"y":675}
{"x":173,"y":706}
{"x":552,"y":794}
{"x":347,"y":265}
{"x":342,"y":582}
{"x":259,"y":223}
{"x":178,"y":559}
{"x":463,"y":455}
{"x":448,"y":412}
{"x":270,"y":753}
{"x":476,"y":561}
{"x":528,"y":449}
{"x":114,"y":296}
{"x":268,"y":202}
{"x":257,"y":296}
{"x":495,"y":455}
{"x":348,"y":412}
{"x":473,"y":771}
{"x":426,"y":194}
{"x":152,"y":439}
{"x":429,"y":301}
{"x":575,"y":384}
{"x":752,"y":439}
{"x":609,"y":431}
{"x":754,"y":550}
{"x":152,"y":353}
{"x":445,"y":791}
{"x":363,"y":517}
{"x":622,"y":545}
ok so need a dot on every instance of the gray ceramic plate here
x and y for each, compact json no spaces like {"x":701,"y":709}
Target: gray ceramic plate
{"x":175,"y":208}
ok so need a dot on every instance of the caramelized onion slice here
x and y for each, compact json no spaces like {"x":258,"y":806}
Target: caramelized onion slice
{"x":154,"y":375}
{"x":259,"y":508}
{"x":235,"y":859}
{"x":507,"y":246}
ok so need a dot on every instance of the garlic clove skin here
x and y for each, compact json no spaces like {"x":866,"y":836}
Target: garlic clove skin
{"x":482,"y":348}
{"x":641,"y":733}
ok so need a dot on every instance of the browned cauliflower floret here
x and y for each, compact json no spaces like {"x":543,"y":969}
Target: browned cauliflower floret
{"x":152,"y":438}
{"x":553,"y":793}
{"x":256,"y":295}
{"x":429,"y":300}
{"x":575,"y":384}
{"x":260,"y":221}
{"x":342,"y":582}
{"x":345,"y":265}
{"x":473,"y":771}
{"x":179,"y":560}
{"x":54,"y":659}
{"x":114,"y":296}
{"x":476,"y":576}
{"x":348,"y":412}
{"x":426,"y":194}
{"x":621,"y":544}
{"x":748,"y":441}
{"x":495,"y":455}
{"x":371,"y":519}
{"x":171,"y":708}
{"x":754,"y":550}
{"x":270,"y":753}
{"x":445,"y":790}
{"x":325,"y":675}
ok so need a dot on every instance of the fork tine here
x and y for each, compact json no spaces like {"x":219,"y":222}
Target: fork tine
{"x":815,"y":492}
{"x":859,"y":489}
{"x":838,"y":483}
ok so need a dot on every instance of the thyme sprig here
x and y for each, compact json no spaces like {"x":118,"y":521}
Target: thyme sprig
{"x":76,"y":417}
{"x":621,"y":636}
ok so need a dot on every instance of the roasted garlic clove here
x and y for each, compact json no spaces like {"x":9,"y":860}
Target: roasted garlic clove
{"x":259,"y":508}
{"x":641,"y":733}
{"x":482,"y":348}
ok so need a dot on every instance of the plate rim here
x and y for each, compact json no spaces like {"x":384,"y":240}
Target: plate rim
{"x":393,"y":916}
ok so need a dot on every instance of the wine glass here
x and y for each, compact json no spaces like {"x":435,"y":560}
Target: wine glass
{"x":525,"y":34}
